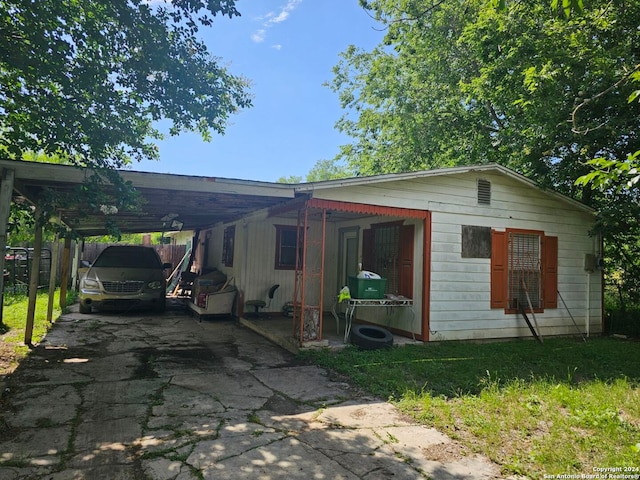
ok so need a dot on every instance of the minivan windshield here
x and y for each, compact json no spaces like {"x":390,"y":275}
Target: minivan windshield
{"x":128,"y":257}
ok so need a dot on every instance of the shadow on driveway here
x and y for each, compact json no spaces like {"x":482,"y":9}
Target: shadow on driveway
{"x":146,"y":396}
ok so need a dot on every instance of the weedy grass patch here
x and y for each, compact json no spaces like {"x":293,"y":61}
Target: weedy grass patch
{"x":563,"y":407}
{"x":12,"y":329}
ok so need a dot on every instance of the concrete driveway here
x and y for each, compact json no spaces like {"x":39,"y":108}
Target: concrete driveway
{"x":138,"y":396}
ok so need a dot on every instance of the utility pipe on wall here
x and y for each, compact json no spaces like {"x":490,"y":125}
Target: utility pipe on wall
{"x":588,"y":309}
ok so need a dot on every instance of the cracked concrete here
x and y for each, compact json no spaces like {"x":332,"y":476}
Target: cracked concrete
{"x":165,"y":397}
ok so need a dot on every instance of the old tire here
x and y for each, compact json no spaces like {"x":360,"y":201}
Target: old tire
{"x":371,"y":337}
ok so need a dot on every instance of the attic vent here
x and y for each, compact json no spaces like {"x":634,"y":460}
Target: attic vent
{"x":484,"y":192}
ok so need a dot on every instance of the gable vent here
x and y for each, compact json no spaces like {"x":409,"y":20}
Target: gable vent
{"x":484,"y":192}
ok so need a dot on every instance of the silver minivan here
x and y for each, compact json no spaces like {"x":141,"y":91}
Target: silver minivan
{"x":124,"y":277}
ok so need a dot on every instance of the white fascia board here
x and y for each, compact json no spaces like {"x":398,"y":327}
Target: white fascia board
{"x":55,"y":173}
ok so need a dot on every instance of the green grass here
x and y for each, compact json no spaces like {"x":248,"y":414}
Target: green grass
{"x":12,"y":329}
{"x":559,"y":408}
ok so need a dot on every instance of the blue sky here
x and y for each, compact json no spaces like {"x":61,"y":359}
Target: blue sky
{"x":286,"y":49}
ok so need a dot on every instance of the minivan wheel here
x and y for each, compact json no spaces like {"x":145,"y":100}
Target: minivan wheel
{"x":85,"y":308}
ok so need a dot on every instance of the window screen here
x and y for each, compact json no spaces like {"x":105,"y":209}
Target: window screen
{"x":287,"y":247}
{"x":524,"y":270}
{"x":386,"y":250}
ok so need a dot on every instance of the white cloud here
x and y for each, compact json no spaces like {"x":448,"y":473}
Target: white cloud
{"x":276,"y":47}
{"x":258,"y":35}
{"x":283,"y":14}
{"x":274,"y":18}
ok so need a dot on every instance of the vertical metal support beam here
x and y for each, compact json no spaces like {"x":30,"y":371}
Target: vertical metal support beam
{"x":305,"y":232}
{"x":425,"y":324}
{"x":33,"y":280}
{"x":52,"y":278}
{"x":297,"y":311}
{"x":6,"y":189}
{"x":322,"y":248}
{"x":64,"y":272}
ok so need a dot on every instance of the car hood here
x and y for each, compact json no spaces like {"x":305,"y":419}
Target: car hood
{"x":111,"y":274}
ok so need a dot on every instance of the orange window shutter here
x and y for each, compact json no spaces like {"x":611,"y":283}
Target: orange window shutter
{"x":550,"y":258}
{"x":498,"y":269}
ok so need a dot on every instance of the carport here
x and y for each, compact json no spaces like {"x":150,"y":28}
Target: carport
{"x":189,"y":201}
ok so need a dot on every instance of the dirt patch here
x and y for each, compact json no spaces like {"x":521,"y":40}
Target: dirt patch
{"x":446,"y":452}
{"x":9,"y":358}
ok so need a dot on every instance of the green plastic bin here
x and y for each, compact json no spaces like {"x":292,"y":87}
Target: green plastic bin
{"x":368,"y":288}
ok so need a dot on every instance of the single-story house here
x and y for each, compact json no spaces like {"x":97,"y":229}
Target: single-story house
{"x":470,"y":246}
{"x":472,"y":250}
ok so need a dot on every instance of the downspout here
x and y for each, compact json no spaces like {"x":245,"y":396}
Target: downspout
{"x":588,"y":309}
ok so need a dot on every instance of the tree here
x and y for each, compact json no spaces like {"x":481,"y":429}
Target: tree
{"x":291,"y":179}
{"x":542,"y":90}
{"x":328,"y":170}
{"x":88,"y":80}
{"x":459,"y":83}
{"x":322,"y":170}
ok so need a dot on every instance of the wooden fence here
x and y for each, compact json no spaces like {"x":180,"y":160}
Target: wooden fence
{"x":168,"y":253}
{"x":18,"y":262}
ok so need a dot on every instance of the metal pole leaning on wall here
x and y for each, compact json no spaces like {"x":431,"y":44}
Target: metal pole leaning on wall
{"x":572,"y":319}
{"x":535,"y":320}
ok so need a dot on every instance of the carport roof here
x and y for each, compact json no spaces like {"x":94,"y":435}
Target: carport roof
{"x":197,"y":202}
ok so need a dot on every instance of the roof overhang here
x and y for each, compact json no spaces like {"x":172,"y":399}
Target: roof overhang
{"x":189,"y":201}
{"x":195,"y":202}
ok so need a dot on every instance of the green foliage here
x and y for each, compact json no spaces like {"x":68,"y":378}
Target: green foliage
{"x":612,"y":174}
{"x":457,"y":83}
{"x":560,"y":407}
{"x":126,"y":238}
{"x":87,"y":81}
{"x":322,"y":170}
{"x":328,"y":170}
{"x":291,"y":180}
{"x":541,"y":90}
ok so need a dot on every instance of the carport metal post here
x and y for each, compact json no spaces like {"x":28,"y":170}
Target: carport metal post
{"x":33,"y":279}
{"x":6,"y":189}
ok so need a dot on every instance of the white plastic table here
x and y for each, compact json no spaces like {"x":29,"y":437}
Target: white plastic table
{"x":390,"y":302}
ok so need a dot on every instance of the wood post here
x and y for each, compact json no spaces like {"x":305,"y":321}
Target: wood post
{"x":64,"y":273}
{"x":33,"y":280}
{"x":52,"y":277}
{"x":6,"y":190}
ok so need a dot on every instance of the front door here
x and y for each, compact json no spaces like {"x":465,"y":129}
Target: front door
{"x":348,"y":255}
